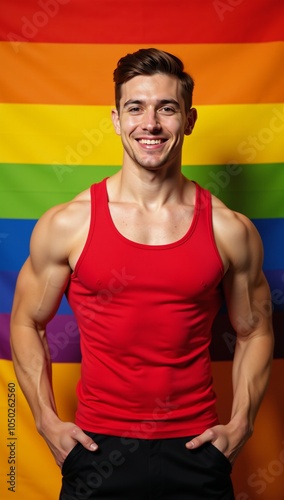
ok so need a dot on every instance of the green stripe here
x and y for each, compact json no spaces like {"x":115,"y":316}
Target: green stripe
{"x":26,"y":191}
{"x":255,"y":190}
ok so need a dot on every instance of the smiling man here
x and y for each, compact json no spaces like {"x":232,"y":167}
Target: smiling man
{"x":152,"y":120}
{"x":145,"y":258}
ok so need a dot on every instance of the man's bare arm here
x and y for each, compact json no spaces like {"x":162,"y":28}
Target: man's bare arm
{"x":39,"y":290}
{"x":250,"y":310}
{"x":249,"y":307}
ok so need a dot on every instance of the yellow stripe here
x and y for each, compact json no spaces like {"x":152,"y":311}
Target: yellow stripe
{"x":76,"y":135}
{"x":31,"y":483}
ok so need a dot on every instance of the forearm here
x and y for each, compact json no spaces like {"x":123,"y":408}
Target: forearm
{"x":32,"y":366}
{"x":251,"y":372}
{"x":33,"y":369}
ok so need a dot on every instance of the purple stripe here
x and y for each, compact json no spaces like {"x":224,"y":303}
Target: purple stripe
{"x":62,"y":334}
{"x":223,"y":336}
{"x":5,"y":351}
{"x":63,"y":338}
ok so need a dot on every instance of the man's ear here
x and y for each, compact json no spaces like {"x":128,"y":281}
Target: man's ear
{"x":191,"y":120}
{"x":115,"y":120}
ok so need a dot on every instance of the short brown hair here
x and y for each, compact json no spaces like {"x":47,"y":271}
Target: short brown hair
{"x":149,"y":62}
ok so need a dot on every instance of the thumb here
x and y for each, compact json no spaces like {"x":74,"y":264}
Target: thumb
{"x":88,"y":443}
{"x":84,"y":439}
{"x":198,"y":441}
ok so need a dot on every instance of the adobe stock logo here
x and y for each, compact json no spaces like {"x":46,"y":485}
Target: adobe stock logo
{"x":119,"y":280}
{"x":263,"y":476}
{"x":77,"y":154}
{"x":222,"y":8}
{"x":48,"y":9}
{"x":265,"y":136}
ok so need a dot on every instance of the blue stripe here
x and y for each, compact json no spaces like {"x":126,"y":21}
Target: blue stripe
{"x":8,"y":281}
{"x":15,"y":235}
{"x":7,"y":288}
{"x":14,"y":249}
{"x":14,"y":242}
{"x":272,"y":234}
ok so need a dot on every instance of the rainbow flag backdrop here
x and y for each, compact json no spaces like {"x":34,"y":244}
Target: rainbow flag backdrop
{"x":56,"y":138}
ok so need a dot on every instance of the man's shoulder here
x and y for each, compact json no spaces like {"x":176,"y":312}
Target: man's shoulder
{"x":62,"y":218}
{"x":230,"y":218}
{"x":236,"y":235}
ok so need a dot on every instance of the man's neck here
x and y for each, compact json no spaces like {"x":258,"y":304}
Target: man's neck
{"x":149,"y":189}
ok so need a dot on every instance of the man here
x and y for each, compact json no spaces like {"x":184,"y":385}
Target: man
{"x":145,"y":258}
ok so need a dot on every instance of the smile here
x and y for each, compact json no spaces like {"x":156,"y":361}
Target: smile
{"x":150,"y":141}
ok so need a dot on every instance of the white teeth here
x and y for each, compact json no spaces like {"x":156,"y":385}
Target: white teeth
{"x":150,"y":141}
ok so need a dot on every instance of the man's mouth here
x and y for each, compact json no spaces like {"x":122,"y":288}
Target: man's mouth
{"x":150,"y":142}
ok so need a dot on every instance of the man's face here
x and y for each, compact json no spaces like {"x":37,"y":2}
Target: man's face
{"x":152,"y":121}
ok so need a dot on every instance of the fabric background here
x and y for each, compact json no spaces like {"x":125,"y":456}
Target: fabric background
{"x":56,"y":138}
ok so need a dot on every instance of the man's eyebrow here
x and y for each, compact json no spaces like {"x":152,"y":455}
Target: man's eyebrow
{"x":161,"y":102}
{"x":170,"y":101}
{"x":132,"y":101}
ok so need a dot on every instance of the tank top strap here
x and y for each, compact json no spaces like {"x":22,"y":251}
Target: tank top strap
{"x":202,"y":200}
{"x":98,"y":197}
{"x":98,"y":194}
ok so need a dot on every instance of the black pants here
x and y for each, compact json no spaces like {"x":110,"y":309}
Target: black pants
{"x":137,"y":469}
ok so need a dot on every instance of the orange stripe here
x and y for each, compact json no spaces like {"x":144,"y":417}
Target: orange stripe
{"x":82,"y":74}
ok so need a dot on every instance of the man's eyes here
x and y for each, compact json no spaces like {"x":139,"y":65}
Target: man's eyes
{"x":168,"y":110}
{"x":134,"y":110}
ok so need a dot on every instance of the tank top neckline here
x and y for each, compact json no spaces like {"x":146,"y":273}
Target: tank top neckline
{"x":165,"y":246}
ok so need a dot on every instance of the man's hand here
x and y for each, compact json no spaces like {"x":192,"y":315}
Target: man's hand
{"x":63,"y":436}
{"x":227,"y":438}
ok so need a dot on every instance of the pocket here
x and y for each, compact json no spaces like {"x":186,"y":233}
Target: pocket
{"x":72,"y":455}
{"x":218,"y":456}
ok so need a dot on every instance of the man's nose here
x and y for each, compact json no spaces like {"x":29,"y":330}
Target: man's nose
{"x":151,"y":121}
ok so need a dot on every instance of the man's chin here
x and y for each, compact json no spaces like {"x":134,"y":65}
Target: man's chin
{"x":152,"y":166}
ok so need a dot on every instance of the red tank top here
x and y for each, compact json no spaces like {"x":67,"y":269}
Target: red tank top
{"x":145,"y":314}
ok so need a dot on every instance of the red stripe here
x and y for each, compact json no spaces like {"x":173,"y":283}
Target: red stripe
{"x":135,"y":21}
